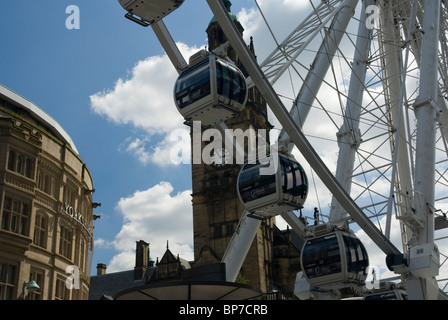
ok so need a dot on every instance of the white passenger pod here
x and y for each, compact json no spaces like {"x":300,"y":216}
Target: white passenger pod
{"x":210,"y":90}
{"x":272,"y":194}
{"x":146,"y":12}
{"x":333,"y":260}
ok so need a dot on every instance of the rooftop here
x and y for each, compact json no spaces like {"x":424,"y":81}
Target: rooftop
{"x":38,"y":116}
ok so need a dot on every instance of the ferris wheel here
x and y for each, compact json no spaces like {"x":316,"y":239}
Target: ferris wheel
{"x":369,"y":85}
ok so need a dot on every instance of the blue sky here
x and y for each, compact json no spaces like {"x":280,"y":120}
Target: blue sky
{"x":62,"y":70}
{"x":109,"y":85}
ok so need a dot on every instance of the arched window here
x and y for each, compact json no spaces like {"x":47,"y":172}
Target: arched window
{"x":20,"y":164}
{"x":15,"y":216}
{"x":19,"y":167}
{"x":28,"y":168}
{"x":47,"y":184}
{"x":41,"y":230}
{"x":66,"y":242}
{"x":12,"y":160}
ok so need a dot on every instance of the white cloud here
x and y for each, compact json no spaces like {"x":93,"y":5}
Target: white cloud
{"x":138,"y":148}
{"x":156,"y":216}
{"x":282,"y":17}
{"x":250,"y":20}
{"x":145,"y":101}
{"x":175,"y":149}
{"x":125,"y":260}
{"x":376,"y":256}
{"x":103,"y":243}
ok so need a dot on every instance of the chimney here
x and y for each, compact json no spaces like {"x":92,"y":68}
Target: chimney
{"x":100,"y":269}
{"x":141,"y":259}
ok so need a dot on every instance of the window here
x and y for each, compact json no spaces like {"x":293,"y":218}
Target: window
{"x":47,"y":183}
{"x":70,"y":196}
{"x":40,"y":230}
{"x":7,"y":281}
{"x":66,"y":242}
{"x":218,"y":231}
{"x":20,"y":164}
{"x":62,"y":292}
{"x":252,"y":185}
{"x":223,"y":78}
{"x":293,"y":178}
{"x":230,"y":82}
{"x":193,"y":84}
{"x":12,"y":161}
{"x":29,"y":168}
{"x":321,"y":257}
{"x":37,"y":276}
{"x":357,"y":259}
{"x":82,"y":255}
{"x":86,"y":250}
{"x":15,"y":216}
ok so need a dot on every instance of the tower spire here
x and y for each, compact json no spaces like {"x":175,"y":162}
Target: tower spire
{"x":227,"y":4}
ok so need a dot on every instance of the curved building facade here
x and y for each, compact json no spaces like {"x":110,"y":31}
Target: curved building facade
{"x":46,"y":217}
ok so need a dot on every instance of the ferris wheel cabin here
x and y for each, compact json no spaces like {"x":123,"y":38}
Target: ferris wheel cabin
{"x":334,"y":259}
{"x":269,"y":195}
{"x":146,"y":12}
{"x":211,"y":90}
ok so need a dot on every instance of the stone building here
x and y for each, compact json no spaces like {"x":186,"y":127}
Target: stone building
{"x":105,"y":286}
{"x":46,"y":206}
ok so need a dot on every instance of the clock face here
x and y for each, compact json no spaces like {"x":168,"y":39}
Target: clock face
{"x":221,"y":157}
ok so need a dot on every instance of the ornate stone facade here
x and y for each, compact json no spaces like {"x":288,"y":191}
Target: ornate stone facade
{"x":46,"y":217}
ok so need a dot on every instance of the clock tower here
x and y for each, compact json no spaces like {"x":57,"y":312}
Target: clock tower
{"x":217,"y":208}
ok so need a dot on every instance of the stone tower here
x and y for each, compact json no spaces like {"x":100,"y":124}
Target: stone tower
{"x":216,"y":205}
{"x":141,"y":259}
